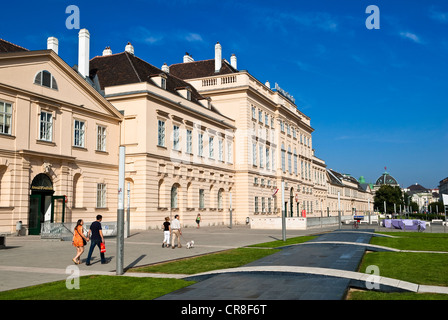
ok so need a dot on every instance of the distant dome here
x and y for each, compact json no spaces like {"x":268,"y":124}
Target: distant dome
{"x":386,"y":178}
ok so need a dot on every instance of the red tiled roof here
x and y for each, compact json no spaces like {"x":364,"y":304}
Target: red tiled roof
{"x":200,"y":69}
{"x":6,"y":46}
{"x":125,"y":68}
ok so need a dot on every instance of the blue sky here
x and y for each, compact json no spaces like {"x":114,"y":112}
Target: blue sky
{"x":376,"y":98}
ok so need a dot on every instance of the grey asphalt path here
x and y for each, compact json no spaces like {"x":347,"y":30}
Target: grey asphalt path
{"x":286,"y":286}
{"x":30,"y":260}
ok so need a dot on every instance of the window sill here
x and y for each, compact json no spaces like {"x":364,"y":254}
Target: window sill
{"x":7,"y":136}
{"x":79,"y":148}
{"x":44,"y":142}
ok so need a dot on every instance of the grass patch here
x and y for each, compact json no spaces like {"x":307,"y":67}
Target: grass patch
{"x":420,"y":268}
{"x":414,"y":241}
{"x":99,"y":288}
{"x":374,"y":295}
{"x":281,"y":243}
{"x":222,"y":260}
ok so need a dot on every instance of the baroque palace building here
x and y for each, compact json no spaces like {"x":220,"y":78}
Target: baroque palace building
{"x":201,"y":137}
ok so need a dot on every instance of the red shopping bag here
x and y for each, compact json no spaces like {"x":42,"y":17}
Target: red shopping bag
{"x":103,"y":247}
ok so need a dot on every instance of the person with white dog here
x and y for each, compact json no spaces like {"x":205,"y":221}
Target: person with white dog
{"x":176,"y":231}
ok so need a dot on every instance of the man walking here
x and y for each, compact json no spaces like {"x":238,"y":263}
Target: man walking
{"x":96,"y":238}
{"x":175,"y":229}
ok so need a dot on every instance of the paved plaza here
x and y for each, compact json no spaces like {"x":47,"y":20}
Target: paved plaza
{"x":321,"y":269}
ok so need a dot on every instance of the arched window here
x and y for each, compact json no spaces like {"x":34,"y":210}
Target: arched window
{"x":174,"y":204}
{"x":45,"y":79}
{"x":220,"y":204}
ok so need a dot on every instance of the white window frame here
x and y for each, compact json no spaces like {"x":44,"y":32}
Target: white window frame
{"x":5,"y":118}
{"x":189,"y":141}
{"x":160,"y":133}
{"x":176,"y":137}
{"x":79,"y":133}
{"x":101,"y":195}
{"x":101,"y":136}
{"x":46,"y":126}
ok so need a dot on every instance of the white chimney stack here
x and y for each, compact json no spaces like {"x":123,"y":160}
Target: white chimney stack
{"x":165,"y":68}
{"x":129,"y":48}
{"x":53,"y":44}
{"x":84,"y":52}
{"x":233,"y":61}
{"x":188,"y":58}
{"x":107,"y":51}
{"x":218,"y":57}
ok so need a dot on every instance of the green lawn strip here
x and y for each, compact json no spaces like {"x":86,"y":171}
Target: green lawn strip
{"x":375,"y":295}
{"x":419,"y":268}
{"x":227,"y":259}
{"x":281,"y":243}
{"x":414,"y":241}
{"x":99,"y":288}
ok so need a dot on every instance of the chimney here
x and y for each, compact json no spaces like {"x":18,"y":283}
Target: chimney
{"x":165,"y":68}
{"x":188,"y":58}
{"x":233,"y":61}
{"x":129,"y":48}
{"x":84,"y":52}
{"x":218,"y":57}
{"x":107,"y":51}
{"x":53,"y":44}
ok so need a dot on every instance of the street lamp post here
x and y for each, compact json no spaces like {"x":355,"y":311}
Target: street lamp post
{"x":120,"y":212}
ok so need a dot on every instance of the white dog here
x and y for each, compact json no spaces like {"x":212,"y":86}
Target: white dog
{"x":190,"y":244}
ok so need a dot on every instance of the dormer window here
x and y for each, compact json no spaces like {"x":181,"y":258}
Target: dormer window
{"x":185,"y":92}
{"x":160,"y":80}
{"x":45,"y":79}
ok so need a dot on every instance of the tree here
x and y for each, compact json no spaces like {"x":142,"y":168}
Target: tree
{"x":390,"y":195}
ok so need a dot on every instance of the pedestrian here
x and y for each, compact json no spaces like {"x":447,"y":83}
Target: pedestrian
{"x":96,"y":238}
{"x":79,"y":241}
{"x":166,"y":233}
{"x":198,"y":219}
{"x":176,"y":231}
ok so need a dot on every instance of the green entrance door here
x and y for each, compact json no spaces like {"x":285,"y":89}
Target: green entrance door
{"x":35,"y":214}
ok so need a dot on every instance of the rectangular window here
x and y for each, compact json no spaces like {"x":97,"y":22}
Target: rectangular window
{"x":254,"y":154}
{"x":260,"y":149}
{"x":263,"y":207}
{"x":295,"y":163}
{"x":161,"y":133}
{"x":200,"y":144}
{"x":101,"y":195}
{"x":256,"y":204}
{"x":220,"y":150}
{"x":283,"y":160}
{"x":211,"y":148}
{"x":46,"y":126}
{"x":201,"y":199}
{"x":176,"y":144}
{"x":5,"y":117}
{"x":229,"y":151}
{"x":260,"y":115}
{"x":253,"y":113}
{"x":101,"y":138}
{"x":189,"y":141}
{"x":79,"y":134}
{"x":268,"y":159}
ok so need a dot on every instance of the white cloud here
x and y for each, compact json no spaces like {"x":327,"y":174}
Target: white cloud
{"x":411,"y":36}
{"x":194,"y":37}
{"x":438,"y":15}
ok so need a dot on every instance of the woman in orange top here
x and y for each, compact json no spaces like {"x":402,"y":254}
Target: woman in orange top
{"x":79,"y":241}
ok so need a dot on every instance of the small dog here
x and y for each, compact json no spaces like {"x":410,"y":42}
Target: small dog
{"x":190,"y":244}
